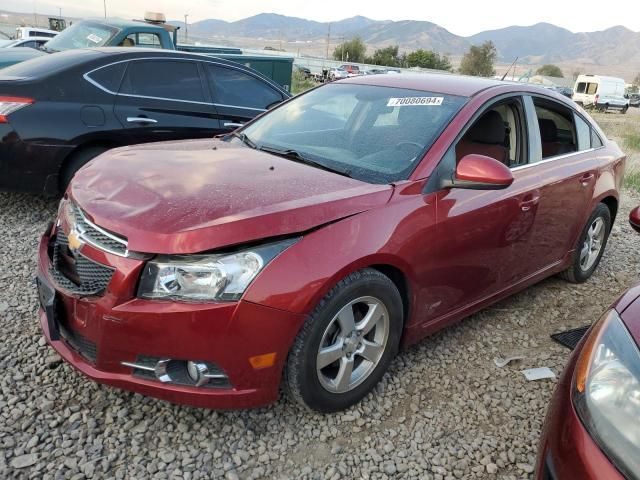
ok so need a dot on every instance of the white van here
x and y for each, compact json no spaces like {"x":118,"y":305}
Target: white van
{"x":602,"y":93}
{"x":22,"y":33}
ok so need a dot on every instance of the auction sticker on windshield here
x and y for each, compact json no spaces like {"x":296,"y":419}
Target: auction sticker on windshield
{"x":414,"y":101}
{"x":94,"y":38}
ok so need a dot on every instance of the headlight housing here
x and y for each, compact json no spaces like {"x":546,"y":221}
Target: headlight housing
{"x":206,"y":278}
{"x":607,"y":392}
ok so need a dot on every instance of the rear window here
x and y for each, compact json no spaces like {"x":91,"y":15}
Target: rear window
{"x":47,"y":65}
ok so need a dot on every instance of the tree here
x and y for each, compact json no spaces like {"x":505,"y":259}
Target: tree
{"x":428,"y":59}
{"x":478,"y":61}
{"x":387,"y":56}
{"x":352,"y":51}
{"x":549,"y":70}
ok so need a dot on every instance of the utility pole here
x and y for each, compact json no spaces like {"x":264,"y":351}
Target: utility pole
{"x":186,"y":28}
{"x":328,"y":40}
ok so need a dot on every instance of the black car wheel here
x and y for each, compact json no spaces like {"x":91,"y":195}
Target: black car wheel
{"x":590,"y":247}
{"x":347,"y":343}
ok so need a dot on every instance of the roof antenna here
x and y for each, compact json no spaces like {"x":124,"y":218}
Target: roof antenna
{"x":505,"y":73}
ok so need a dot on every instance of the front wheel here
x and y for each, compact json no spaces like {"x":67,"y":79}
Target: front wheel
{"x":347,"y":343}
{"x":590,"y":247}
{"x":624,"y":109}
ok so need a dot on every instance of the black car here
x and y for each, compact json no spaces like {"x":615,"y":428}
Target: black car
{"x":59,"y":111}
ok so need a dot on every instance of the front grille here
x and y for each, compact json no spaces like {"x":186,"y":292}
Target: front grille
{"x":80,"y":344}
{"x":97,"y":236}
{"x":76,"y":273}
{"x":74,"y":340}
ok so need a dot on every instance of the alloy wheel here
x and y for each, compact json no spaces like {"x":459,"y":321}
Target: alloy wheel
{"x":592,"y":244}
{"x":352,"y":344}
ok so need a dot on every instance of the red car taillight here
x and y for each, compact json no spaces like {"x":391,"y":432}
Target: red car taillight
{"x":597,"y":97}
{"x":8,"y":105}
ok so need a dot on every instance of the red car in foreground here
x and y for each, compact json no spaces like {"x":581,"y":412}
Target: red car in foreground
{"x":592,"y":430}
{"x":313,"y":242}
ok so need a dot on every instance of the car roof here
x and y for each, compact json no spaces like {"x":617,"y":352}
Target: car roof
{"x":446,"y":83}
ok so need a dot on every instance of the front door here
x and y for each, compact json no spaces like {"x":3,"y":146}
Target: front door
{"x":483,"y":240}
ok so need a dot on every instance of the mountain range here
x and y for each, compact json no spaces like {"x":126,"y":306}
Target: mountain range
{"x":535,"y":44}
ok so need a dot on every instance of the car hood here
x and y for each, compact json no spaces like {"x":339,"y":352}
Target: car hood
{"x":198,"y":195}
{"x":14,"y":55}
{"x":628,"y":306}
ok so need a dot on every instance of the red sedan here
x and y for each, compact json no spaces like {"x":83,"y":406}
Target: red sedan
{"x":591,"y":431}
{"x":316,"y":240}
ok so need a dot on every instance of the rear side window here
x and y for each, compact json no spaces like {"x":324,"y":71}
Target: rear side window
{"x":592,"y":88}
{"x":583,"y":131}
{"x":596,"y":141}
{"x":109,"y":77}
{"x":163,"y":79}
{"x":236,"y":88}
{"x":558,"y":131}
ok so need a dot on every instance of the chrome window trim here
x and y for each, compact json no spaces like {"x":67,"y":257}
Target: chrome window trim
{"x":553,"y":159}
{"x":88,"y":78}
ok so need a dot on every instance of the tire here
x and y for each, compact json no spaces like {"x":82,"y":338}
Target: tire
{"x":75,"y":162}
{"x":624,"y":109}
{"x":319,"y":389}
{"x":580,"y":270}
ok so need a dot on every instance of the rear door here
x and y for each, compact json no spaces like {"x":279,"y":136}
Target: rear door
{"x":165,"y":99}
{"x":238,"y":95}
{"x":565,"y":170}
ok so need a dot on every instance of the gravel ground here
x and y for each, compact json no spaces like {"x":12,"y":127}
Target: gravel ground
{"x":444,"y":411}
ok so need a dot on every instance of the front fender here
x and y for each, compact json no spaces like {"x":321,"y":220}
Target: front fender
{"x":297,"y":280}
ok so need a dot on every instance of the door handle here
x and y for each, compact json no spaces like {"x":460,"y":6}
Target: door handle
{"x":529,"y":202}
{"x":141,"y":120}
{"x":232,"y":125}
{"x":586,"y":178}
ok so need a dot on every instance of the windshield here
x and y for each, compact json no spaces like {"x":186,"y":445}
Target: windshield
{"x":375,"y":134}
{"x":82,"y":35}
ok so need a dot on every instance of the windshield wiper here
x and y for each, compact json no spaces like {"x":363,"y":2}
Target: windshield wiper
{"x":244,"y":139}
{"x":298,"y":157}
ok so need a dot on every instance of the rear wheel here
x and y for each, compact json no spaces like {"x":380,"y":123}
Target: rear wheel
{"x":590,"y":247}
{"x":347,"y":343}
{"x":75,"y":162}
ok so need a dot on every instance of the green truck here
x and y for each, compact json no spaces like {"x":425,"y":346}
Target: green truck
{"x":152,"y":32}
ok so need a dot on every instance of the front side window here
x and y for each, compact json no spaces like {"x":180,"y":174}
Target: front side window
{"x":82,"y":35}
{"x":163,"y":79}
{"x":557,"y":128}
{"x":236,"y":88}
{"x":375,"y":134}
{"x":498,"y":133}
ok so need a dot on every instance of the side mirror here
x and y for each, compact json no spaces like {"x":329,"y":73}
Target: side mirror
{"x":634,"y":219}
{"x":478,"y":172}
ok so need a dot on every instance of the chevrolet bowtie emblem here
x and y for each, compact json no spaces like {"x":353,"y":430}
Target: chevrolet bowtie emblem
{"x":75,"y":243}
